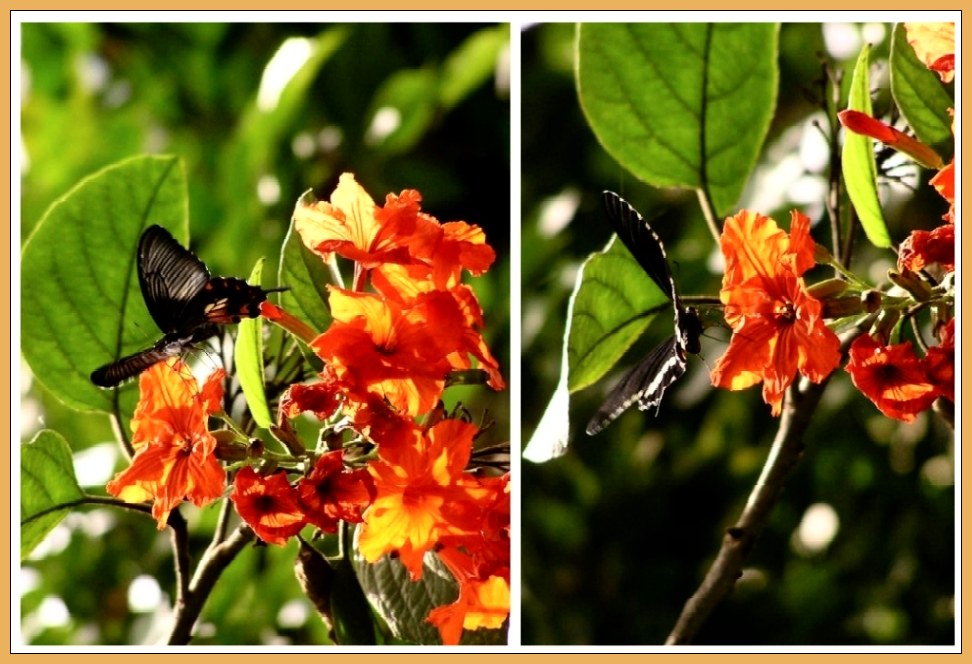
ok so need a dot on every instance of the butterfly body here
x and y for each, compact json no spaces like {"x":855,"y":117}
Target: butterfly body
{"x":647,"y":381}
{"x":184,"y":301}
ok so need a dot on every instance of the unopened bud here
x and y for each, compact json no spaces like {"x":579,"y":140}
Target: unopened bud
{"x":827,"y":289}
{"x":871,"y":299}
{"x":821,"y":254}
{"x":840,"y":307}
{"x":911,"y":282}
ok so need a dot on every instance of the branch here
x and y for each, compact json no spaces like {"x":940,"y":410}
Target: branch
{"x":216,"y":559}
{"x":739,"y":540}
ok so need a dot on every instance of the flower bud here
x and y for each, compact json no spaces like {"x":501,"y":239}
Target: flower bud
{"x":911,"y":282}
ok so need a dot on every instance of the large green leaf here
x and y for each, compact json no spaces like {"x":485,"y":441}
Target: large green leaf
{"x":857,"y":160}
{"x":920,"y":95}
{"x":81,"y":303}
{"x":610,"y":311}
{"x":48,"y":487}
{"x":681,"y":105}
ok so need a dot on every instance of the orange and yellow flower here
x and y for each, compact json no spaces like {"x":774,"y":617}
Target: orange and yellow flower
{"x":401,"y":353}
{"x":777,"y":325}
{"x":934,"y":44}
{"x":419,"y":479}
{"x":352,"y":226}
{"x":174,"y":451}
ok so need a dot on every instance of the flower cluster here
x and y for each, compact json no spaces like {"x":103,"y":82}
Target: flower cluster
{"x":405,"y":328}
{"x":892,"y":376}
{"x":778,"y":323}
{"x":388,"y":354}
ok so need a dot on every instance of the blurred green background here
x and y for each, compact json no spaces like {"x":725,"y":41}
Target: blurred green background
{"x":259,"y":113}
{"x":618,"y":533}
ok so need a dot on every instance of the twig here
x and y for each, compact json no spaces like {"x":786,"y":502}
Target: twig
{"x":216,"y":559}
{"x":180,"y":553}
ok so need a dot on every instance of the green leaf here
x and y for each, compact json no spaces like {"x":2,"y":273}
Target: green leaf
{"x":681,"y":105}
{"x":248,"y":357}
{"x":920,"y":95}
{"x":47,"y":487}
{"x":857,"y":160}
{"x":471,"y":64}
{"x":81,"y":305}
{"x":404,"y":604}
{"x":610,"y":311}
{"x":402,"y":110}
{"x":304,"y":274}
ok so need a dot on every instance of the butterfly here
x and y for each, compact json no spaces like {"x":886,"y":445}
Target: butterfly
{"x":185,"y":302}
{"x":665,"y":364}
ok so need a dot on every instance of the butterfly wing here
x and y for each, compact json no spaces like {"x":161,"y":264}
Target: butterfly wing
{"x":170,"y":277}
{"x":641,"y":241}
{"x":665,"y":364}
{"x":646,"y":384}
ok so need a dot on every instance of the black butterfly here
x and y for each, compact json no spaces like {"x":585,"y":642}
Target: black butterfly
{"x":184,"y":300}
{"x":647,"y":382}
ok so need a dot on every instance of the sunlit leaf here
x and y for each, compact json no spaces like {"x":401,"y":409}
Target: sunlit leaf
{"x":857,"y":161}
{"x":404,"y":604}
{"x":47,"y":487}
{"x":81,"y":302}
{"x":614,"y":304}
{"x":248,"y":357}
{"x":303,"y":273}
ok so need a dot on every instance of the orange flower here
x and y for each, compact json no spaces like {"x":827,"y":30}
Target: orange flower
{"x":922,"y":248}
{"x":321,"y":398}
{"x":269,"y":505}
{"x":174,"y":451}
{"x":444,"y":252}
{"x":403,"y":284}
{"x":934,"y":44}
{"x":399,"y":352}
{"x":939,"y":362}
{"x":332,"y":493}
{"x":352,"y":226}
{"x":892,"y":377}
{"x":777,"y":326}
{"x":419,"y":483}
